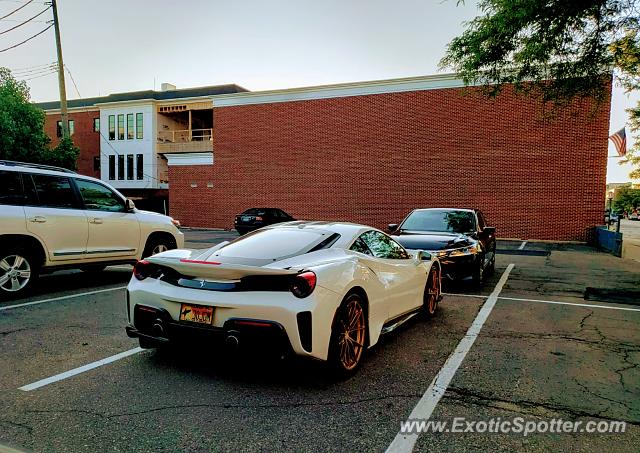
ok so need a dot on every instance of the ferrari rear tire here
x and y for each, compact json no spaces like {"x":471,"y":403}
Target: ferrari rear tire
{"x":348,"y":336}
{"x":432,"y":293}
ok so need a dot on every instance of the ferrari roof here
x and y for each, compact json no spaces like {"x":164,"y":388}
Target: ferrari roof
{"x":342,"y":228}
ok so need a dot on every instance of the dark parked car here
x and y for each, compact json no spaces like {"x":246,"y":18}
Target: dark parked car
{"x":460,"y":238}
{"x":255,"y":218}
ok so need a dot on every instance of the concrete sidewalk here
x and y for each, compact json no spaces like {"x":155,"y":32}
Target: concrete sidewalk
{"x":630,"y":230}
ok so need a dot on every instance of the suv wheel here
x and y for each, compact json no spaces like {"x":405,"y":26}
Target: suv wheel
{"x":18,"y":271}
{"x":159,"y":244}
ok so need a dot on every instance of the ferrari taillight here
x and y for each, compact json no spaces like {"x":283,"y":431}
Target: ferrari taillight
{"x":143,"y":269}
{"x":303,"y":284}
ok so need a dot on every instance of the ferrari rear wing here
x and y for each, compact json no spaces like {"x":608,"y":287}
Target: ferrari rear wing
{"x":215,"y":270}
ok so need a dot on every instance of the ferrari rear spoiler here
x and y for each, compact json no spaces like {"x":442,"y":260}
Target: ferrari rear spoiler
{"x":215,"y":270}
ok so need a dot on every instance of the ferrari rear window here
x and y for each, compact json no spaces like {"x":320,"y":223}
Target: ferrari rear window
{"x":274,"y":243}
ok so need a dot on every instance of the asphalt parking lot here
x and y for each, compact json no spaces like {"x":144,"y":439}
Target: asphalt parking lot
{"x":527,"y":345}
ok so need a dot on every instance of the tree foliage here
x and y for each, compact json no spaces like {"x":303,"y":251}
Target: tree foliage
{"x":561,"y":48}
{"x":22,"y":135}
{"x":626,"y":199}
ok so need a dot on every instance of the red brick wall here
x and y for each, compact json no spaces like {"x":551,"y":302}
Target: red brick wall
{"x":84,"y":138}
{"x":372,"y":159}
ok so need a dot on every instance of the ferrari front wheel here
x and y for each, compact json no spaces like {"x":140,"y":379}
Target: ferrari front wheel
{"x":432,"y":293}
{"x":348,"y":336}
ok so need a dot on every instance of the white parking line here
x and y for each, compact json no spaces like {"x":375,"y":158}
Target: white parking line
{"x":540,"y":301}
{"x":36,"y":302}
{"x":426,"y":405}
{"x":76,"y":371}
{"x":555,"y":302}
{"x":522,"y":245}
{"x":480,"y":296}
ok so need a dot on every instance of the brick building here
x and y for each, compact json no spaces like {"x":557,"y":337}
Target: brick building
{"x":127,"y":138}
{"x":82,"y":116}
{"x":372,"y":152}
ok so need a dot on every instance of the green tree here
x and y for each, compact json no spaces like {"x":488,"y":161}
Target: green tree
{"x":626,"y":199}
{"x":22,"y":135}
{"x":558,"y":48}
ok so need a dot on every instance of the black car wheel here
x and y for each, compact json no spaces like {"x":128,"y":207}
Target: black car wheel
{"x":491,"y":267}
{"x":477,"y":277}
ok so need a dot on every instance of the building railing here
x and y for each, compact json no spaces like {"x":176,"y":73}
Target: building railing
{"x":185,"y":136}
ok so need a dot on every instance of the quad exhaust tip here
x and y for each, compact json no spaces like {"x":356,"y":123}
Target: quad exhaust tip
{"x":157,"y":328}
{"x":232,"y":342}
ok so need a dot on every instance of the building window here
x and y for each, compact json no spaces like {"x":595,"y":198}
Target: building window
{"x":130,"y":131}
{"x":59,"y":128}
{"x":140,"y":166}
{"x":96,"y":163}
{"x":96,"y":125}
{"x":121,"y":167}
{"x":112,"y":127}
{"x":112,"y":167}
{"x":139,"y":127}
{"x":129,"y":166}
{"x":121,"y":127}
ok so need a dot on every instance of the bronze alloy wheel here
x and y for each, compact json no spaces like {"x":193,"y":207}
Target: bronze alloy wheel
{"x":351,"y":331}
{"x":432,"y":292}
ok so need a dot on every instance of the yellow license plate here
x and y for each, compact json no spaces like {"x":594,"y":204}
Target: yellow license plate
{"x":196,"y":313}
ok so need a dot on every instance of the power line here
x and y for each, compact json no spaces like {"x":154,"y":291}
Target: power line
{"x":26,"y":40}
{"x":26,"y":21}
{"x":41,"y":75}
{"x":73,"y":80}
{"x":32,"y":67}
{"x":33,"y":74}
{"x":16,"y":10}
{"x":18,"y":20}
{"x":28,"y":72}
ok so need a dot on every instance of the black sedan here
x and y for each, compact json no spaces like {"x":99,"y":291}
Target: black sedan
{"x":255,"y":218}
{"x":460,"y":238}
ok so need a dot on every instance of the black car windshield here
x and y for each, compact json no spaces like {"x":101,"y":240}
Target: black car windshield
{"x":437,"y":220}
{"x":254,"y":211}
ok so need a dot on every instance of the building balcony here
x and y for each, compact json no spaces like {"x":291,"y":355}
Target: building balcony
{"x":185,"y":141}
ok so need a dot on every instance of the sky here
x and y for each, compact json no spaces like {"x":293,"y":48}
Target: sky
{"x":112,"y":46}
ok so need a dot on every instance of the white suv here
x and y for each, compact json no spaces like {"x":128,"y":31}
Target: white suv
{"x":51,"y":218}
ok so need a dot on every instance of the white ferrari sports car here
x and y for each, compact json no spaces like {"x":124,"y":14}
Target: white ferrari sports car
{"x":324,"y":290}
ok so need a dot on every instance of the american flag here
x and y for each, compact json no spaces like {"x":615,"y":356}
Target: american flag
{"x":619,"y":139}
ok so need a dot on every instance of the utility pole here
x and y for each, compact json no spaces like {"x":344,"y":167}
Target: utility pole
{"x":64,"y":116}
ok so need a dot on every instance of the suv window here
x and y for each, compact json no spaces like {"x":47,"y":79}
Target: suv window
{"x":11,"y":188}
{"x":97,"y":197}
{"x":382,"y":246}
{"x":54,"y":192}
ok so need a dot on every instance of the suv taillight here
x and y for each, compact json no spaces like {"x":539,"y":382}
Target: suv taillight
{"x":303,"y":284}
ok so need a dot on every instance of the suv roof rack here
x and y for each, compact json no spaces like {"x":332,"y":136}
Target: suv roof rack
{"x":13,"y":163}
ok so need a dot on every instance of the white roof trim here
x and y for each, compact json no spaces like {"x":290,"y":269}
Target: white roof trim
{"x":433,"y":82}
{"x":184,"y":159}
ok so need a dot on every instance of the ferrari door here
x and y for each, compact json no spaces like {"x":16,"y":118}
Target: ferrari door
{"x":400,"y":276}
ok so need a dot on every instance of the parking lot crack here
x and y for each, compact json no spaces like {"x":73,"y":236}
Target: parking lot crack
{"x":540,"y":409}
{"x":268,"y":406}
{"x":8,"y":332}
{"x":628,"y":366}
{"x":24,"y":426}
